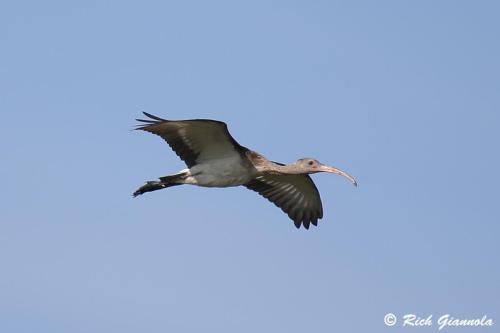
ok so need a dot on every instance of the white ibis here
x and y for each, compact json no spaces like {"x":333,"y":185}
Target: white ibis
{"x":215,"y":159}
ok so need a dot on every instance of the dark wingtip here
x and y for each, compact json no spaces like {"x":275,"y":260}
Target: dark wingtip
{"x":139,"y":127}
{"x":145,"y":121}
{"x":153,"y":120}
{"x":297,"y":224}
{"x":153,"y":116}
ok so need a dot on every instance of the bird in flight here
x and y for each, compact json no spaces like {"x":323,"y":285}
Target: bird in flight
{"x":215,"y":159}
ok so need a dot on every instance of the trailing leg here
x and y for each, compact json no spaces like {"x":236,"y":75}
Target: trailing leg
{"x":152,"y":186}
{"x":164,"y":182}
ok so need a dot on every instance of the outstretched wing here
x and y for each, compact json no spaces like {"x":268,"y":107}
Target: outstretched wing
{"x":194,"y":141}
{"x":296,"y":195}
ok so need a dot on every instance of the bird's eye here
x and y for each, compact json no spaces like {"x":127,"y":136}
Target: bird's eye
{"x":310,"y":163}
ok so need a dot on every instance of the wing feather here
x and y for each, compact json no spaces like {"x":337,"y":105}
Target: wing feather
{"x":196,"y":140}
{"x":296,"y":195}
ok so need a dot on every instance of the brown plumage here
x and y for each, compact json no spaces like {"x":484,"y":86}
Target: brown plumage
{"x":215,"y":159}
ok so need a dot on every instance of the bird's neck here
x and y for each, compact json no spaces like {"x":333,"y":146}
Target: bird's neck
{"x":264,"y":165}
{"x":290,"y":169}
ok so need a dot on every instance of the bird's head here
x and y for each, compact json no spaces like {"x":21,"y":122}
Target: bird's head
{"x":310,"y":165}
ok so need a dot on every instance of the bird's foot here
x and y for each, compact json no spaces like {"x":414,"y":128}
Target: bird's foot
{"x":149,"y":187}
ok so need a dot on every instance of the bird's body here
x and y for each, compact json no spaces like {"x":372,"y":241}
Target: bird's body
{"x":225,"y":172}
{"x":215,"y":159}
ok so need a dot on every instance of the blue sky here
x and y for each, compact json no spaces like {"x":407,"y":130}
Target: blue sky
{"x":402,"y":95}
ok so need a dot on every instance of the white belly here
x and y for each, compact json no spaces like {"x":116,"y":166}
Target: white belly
{"x":221,"y":173}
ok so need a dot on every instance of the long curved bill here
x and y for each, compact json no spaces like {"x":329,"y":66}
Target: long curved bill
{"x":330,"y":169}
